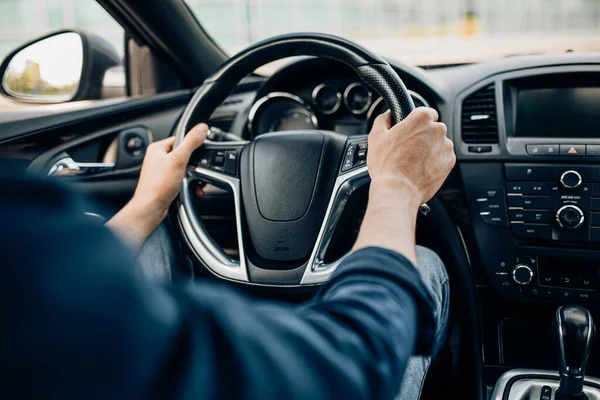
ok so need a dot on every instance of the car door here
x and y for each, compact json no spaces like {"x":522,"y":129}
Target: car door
{"x":83,"y":95}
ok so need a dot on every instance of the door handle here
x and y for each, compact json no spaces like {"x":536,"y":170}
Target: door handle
{"x":68,"y":166}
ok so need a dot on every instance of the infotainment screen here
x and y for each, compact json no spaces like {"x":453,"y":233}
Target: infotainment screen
{"x":566,"y":112}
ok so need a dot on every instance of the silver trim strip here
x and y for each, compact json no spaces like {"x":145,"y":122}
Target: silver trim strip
{"x":347,"y":92}
{"x":68,"y":166}
{"x":317,"y":271}
{"x":316,"y":91}
{"x":202,"y":243}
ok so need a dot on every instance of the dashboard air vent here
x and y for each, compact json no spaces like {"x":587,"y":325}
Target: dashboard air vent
{"x":479,"y":123}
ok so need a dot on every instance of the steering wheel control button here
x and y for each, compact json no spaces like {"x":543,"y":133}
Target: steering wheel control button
{"x":522,"y":274}
{"x":572,"y":149}
{"x":570,"y":217}
{"x":528,"y":172}
{"x":219,"y":160}
{"x":222,"y":160}
{"x":355,"y":156}
{"x":571,"y":180}
{"x":542,"y":149}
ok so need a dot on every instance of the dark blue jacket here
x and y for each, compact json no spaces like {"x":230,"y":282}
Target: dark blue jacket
{"x":79,"y":322}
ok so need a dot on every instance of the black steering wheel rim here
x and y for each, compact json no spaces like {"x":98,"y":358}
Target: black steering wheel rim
{"x":373,"y":70}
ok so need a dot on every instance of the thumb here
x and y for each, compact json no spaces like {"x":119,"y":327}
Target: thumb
{"x":192,"y":140}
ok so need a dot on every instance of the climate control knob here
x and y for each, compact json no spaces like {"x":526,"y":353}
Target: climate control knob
{"x":571,"y":179}
{"x":570,"y":217}
{"x":522,"y":274}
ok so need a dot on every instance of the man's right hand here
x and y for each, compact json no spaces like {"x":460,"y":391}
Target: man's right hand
{"x":415,"y":154}
{"x":408,"y":163}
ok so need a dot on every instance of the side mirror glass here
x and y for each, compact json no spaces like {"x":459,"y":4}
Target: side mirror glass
{"x":46,"y":71}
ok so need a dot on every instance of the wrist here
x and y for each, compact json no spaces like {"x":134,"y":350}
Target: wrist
{"x":149,"y":212}
{"x":396,"y":191}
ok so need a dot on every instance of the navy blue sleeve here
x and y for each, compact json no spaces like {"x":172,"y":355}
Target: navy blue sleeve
{"x":79,"y":322}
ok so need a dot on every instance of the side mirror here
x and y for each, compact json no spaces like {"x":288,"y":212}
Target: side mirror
{"x":61,"y":67}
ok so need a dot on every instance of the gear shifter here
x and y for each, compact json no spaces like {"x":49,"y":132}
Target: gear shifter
{"x":575,"y":335}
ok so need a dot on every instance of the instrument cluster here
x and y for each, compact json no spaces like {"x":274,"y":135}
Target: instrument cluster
{"x":345,"y":106}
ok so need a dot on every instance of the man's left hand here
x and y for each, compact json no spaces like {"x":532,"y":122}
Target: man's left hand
{"x":160,"y":180}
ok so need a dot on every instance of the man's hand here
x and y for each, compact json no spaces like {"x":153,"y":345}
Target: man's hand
{"x":415,"y":153}
{"x":408,"y":163}
{"x":160,"y":180}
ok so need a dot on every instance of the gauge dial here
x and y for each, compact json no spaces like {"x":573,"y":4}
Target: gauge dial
{"x":326,"y":99}
{"x":280,"y":111}
{"x":357,"y":98}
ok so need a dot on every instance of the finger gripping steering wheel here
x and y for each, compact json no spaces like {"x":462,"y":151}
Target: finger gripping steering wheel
{"x":289,"y":188}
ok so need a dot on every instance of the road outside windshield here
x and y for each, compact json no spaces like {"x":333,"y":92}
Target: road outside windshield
{"x":420,"y":32}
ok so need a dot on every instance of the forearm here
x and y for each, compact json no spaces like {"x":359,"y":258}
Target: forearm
{"x":390,"y":220}
{"x":136,"y":221}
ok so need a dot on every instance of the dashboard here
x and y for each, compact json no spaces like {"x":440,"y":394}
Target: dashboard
{"x":526,"y":190}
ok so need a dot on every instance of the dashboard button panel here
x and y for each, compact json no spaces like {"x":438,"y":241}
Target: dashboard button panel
{"x":542,"y":149}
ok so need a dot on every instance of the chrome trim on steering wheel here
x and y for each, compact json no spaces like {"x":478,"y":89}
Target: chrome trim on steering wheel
{"x":203,"y":245}
{"x":317,"y":271}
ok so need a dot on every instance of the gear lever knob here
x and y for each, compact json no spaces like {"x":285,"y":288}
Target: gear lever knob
{"x":575,"y":335}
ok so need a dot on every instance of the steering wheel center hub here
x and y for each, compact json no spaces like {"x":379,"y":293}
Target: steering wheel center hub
{"x":286,"y":183}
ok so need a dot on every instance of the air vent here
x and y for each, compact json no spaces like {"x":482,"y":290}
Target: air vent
{"x":223,"y":122}
{"x":479,"y":123}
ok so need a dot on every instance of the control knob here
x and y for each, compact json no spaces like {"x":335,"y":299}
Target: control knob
{"x":571,"y":179}
{"x":570,"y":217}
{"x":522,"y":274}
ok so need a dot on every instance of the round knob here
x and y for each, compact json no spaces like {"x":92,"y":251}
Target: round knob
{"x":571,"y":179}
{"x":522,"y":274}
{"x":569,"y":217}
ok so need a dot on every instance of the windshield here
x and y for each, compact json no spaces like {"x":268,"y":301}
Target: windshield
{"x":419,"y":32}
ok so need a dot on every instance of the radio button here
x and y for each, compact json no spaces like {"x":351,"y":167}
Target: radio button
{"x":516,"y":215}
{"x":538,"y":188}
{"x":494,"y":218}
{"x":496,"y":205}
{"x":528,"y":172}
{"x":530,"y":216}
{"x":538,"y":216}
{"x":572,"y":149}
{"x":492,"y":193}
{"x":532,"y":231}
{"x":531,"y":202}
{"x":542,"y":149}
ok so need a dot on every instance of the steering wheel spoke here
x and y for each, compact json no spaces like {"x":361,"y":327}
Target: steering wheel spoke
{"x":217,"y":164}
{"x":352,"y":175}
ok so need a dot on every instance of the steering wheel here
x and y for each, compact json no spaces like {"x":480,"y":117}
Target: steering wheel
{"x":289,"y":188}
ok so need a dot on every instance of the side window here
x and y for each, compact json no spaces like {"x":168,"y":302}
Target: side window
{"x":50,"y":70}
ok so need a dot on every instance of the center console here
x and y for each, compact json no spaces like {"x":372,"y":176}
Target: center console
{"x":534,"y":195}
